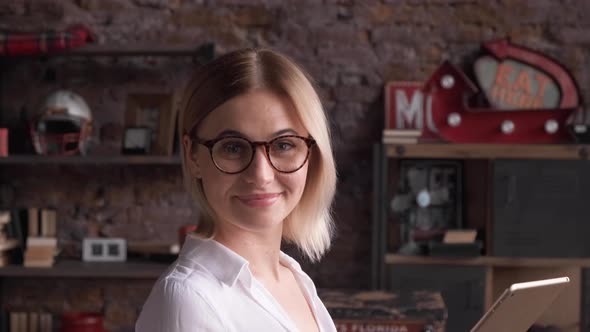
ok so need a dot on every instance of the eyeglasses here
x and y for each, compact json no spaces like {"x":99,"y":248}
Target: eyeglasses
{"x":234,"y":154}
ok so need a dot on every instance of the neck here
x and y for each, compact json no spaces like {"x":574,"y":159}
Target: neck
{"x":260,"y":249}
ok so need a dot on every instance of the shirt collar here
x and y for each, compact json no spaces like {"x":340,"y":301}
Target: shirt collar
{"x":222,"y":262}
{"x":226,"y":265}
{"x":295,"y":267}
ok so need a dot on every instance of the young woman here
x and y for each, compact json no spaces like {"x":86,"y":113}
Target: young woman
{"x":258,"y":161}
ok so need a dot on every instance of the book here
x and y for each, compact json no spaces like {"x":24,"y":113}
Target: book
{"x":8,"y":244}
{"x":40,"y":252}
{"x":33,"y":322}
{"x":4,"y":217}
{"x":402,"y":132}
{"x":48,"y":222}
{"x":401,"y":136}
{"x":379,"y":325}
{"x":33,"y":221}
{"x":355,"y":310}
{"x":5,"y":259}
{"x":41,"y":241}
{"x":400,"y":140}
{"x":39,"y":262}
{"x":46,"y":322}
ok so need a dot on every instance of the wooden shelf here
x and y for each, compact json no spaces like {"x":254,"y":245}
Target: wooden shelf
{"x":79,"y":269}
{"x":488,"y":261}
{"x":205,"y":51}
{"x":85,"y":160}
{"x":489,"y":151}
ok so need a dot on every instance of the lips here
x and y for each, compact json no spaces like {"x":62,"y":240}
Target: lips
{"x":259,"y":200}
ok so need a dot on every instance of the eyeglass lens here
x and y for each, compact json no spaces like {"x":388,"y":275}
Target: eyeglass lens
{"x":234,"y":154}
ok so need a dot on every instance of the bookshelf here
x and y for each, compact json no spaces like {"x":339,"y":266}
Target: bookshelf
{"x":141,"y":271}
{"x":497,"y":272}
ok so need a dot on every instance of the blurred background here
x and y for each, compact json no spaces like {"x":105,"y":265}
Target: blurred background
{"x":133,"y":58}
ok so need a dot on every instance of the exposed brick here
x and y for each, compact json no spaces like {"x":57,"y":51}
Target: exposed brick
{"x":312,"y":15}
{"x":571,"y":35}
{"x":12,"y":8}
{"x":396,"y":52}
{"x":249,"y":2}
{"x":202,"y":17}
{"x":403,"y":34}
{"x":341,"y":55}
{"x":370,"y":15}
{"x":50,"y":9}
{"x":356,"y":93}
{"x":159,"y":4}
{"x":254,"y":16}
{"x":229,"y":38}
{"x":351,"y":79}
{"x":104,"y":5}
{"x":338,"y":34}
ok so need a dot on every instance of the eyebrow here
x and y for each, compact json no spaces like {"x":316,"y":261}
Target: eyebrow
{"x":230,"y":132}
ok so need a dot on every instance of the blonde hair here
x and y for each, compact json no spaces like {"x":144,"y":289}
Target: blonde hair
{"x":310,"y":225}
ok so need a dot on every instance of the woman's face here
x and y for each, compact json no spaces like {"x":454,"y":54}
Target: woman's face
{"x":260,"y":197}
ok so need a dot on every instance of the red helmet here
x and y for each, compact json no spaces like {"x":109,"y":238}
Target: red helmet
{"x":63,"y":126}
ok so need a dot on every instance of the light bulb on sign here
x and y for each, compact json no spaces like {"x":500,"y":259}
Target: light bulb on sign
{"x":507,"y":127}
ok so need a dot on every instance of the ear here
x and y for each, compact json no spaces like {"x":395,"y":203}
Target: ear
{"x":190,"y":157}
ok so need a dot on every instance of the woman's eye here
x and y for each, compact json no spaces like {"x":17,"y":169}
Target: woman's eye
{"x":232,"y":148}
{"x":283,"y":146}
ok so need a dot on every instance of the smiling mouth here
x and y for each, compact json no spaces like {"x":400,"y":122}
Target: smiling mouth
{"x":259,"y":200}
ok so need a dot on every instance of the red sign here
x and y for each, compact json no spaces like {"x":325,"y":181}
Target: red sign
{"x":458,"y":122}
{"x":522,"y":96}
{"x":407,"y":107}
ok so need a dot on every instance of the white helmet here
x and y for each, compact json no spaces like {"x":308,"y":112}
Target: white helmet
{"x":63,"y":125}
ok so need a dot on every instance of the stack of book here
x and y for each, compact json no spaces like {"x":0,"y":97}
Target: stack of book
{"x":41,"y":238}
{"x":18,"y":321}
{"x":401,"y":136}
{"x":6,"y":244}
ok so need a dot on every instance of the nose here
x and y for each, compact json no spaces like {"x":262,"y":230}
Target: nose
{"x":260,"y":172}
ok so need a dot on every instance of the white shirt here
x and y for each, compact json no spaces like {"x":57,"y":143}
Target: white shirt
{"x":211,"y":288}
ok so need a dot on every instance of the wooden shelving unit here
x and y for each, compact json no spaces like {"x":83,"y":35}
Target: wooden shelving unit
{"x":497,"y":272}
{"x":489,"y":261}
{"x":79,"y":269}
{"x":89,"y":160}
{"x":489,"y":151}
{"x":109,"y":54}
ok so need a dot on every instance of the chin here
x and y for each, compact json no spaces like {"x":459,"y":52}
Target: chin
{"x":257,"y":220}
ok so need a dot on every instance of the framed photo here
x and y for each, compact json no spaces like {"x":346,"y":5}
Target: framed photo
{"x":156,"y":111}
{"x":104,"y":250}
{"x":428,"y":199}
{"x":137,"y":140}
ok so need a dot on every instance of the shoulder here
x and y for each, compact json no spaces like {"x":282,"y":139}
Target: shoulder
{"x":180,"y":301}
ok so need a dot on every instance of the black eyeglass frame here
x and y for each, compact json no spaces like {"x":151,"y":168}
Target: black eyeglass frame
{"x":310,"y":142}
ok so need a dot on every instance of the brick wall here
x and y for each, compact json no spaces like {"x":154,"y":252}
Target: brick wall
{"x":351,"y":48}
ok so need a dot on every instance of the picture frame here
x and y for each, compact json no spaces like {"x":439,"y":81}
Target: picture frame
{"x":156,"y":111}
{"x":136,"y":141}
{"x":104,"y":250}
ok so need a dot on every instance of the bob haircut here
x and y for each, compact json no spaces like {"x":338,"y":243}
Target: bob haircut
{"x":310,"y":225}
